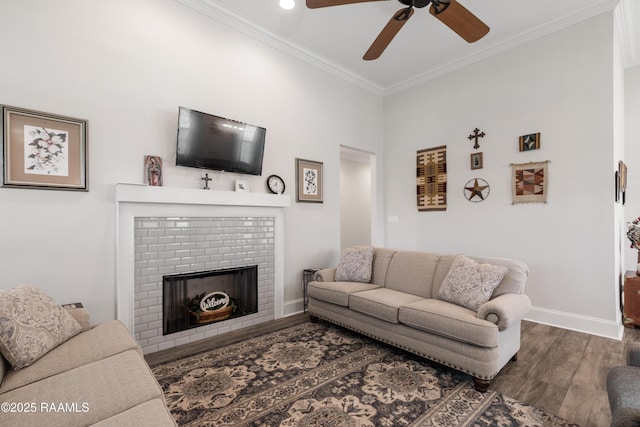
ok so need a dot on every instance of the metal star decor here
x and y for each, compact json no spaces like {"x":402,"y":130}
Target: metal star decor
{"x":476,"y":190}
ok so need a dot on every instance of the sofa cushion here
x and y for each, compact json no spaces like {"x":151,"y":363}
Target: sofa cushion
{"x":449,"y":320}
{"x":381,"y":259}
{"x":355,"y":264}
{"x":512,"y":283}
{"x":412,"y":272}
{"x":470,"y":283}
{"x":382,"y":303}
{"x":31,"y":324}
{"x":98,"y":391}
{"x":104,"y":340}
{"x":82,"y":317}
{"x":337,"y":292}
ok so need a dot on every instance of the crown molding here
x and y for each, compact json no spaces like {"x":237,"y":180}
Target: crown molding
{"x":497,"y":48}
{"x":243,"y":25}
{"x":626,"y":15}
{"x":225,"y":16}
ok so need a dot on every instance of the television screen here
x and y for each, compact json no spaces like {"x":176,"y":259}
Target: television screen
{"x":210,"y":142}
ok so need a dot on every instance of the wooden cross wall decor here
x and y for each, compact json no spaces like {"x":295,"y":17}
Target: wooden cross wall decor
{"x":475,"y":135}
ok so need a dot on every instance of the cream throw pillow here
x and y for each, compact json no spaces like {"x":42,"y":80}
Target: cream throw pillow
{"x":355,"y":264}
{"x":31,"y":324}
{"x":469,"y":283}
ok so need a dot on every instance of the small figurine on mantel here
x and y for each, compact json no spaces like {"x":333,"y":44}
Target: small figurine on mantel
{"x":153,"y":171}
{"x":206,"y":180}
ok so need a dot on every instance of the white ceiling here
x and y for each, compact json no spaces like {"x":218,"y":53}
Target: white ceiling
{"x":335,"y":38}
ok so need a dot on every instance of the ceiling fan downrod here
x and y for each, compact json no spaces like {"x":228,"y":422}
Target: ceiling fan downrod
{"x":440,"y":6}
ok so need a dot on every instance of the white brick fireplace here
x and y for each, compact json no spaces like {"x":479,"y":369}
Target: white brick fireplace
{"x":164,"y":230}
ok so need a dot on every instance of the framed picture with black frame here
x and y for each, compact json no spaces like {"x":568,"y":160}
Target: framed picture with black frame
{"x":529,"y":142}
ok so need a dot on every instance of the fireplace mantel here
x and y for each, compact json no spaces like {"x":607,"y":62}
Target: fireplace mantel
{"x":133,"y":200}
{"x":134,"y":193}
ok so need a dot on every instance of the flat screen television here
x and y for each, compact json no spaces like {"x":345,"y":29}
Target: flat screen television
{"x":210,"y":142}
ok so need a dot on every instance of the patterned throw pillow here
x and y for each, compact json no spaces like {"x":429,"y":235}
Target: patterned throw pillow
{"x":355,"y":264}
{"x":469,"y":283}
{"x":31,"y":324}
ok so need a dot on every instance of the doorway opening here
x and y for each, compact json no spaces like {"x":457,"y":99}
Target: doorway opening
{"x":357,"y":197}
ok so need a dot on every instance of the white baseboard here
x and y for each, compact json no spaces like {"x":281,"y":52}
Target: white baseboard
{"x":293,"y":307}
{"x":576,"y":322}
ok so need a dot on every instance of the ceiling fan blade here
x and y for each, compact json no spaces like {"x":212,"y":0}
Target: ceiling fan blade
{"x":388,"y":33}
{"x":460,"y":20}
{"x":314,"y":4}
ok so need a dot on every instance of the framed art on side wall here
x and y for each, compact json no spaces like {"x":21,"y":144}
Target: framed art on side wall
{"x":308,"y":181}
{"x":43,"y":151}
{"x":529,"y":142}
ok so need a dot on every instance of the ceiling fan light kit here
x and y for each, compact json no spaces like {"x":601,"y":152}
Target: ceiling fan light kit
{"x":451,"y":13}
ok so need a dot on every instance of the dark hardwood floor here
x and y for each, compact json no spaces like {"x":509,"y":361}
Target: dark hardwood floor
{"x":561,"y":371}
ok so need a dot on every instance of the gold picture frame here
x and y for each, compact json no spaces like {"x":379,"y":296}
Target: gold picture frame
{"x":309,"y":181}
{"x":43,"y":151}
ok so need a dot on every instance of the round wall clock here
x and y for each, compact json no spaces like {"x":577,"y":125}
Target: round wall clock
{"x":476,"y":190}
{"x":275,"y":184}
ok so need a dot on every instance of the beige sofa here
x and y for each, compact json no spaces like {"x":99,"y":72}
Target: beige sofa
{"x":97,"y":377}
{"x":400,"y":305}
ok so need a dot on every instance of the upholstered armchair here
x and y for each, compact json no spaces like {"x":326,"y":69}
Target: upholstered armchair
{"x":623,"y":388}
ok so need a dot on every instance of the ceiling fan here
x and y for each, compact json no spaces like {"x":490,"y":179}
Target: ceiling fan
{"x":449,"y":12}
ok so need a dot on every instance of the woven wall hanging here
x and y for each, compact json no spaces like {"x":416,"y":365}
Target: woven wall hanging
{"x":431,"y":179}
{"x":529,"y":182}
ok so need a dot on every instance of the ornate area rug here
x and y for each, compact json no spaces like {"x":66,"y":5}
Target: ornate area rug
{"x":322,"y":375}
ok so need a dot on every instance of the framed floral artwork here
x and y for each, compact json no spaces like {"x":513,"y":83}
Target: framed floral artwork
{"x":308,"y":181}
{"x":43,"y":151}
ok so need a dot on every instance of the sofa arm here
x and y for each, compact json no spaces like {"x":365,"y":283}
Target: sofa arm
{"x":632,"y":354}
{"x":505,"y":310}
{"x":325,"y":275}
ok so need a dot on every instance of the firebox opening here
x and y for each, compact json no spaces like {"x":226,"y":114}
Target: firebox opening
{"x":190,"y":300}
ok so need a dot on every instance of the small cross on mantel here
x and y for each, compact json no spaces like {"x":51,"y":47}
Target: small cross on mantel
{"x":475,"y":135}
{"x":206,"y":180}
